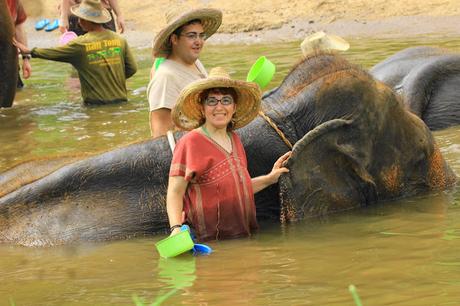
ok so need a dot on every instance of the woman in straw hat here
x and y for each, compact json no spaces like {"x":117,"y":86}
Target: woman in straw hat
{"x":208,"y":178}
{"x":102,"y":58}
{"x":180,"y":42}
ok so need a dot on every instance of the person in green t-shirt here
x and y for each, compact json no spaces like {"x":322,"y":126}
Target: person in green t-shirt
{"x":102,"y":58}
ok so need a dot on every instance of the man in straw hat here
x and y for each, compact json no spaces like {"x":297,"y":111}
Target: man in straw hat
{"x":208,"y":178}
{"x":180,"y":42}
{"x":321,"y":41}
{"x":102,"y":58}
{"x":69,"y":22}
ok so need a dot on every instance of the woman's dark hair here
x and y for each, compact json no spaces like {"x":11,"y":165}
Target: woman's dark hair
{"x":223,"y":91}
{"x":219,"y":90}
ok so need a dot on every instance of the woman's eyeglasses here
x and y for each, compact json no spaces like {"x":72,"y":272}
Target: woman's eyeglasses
{"x":195,"y":36}
{"x":226,"y":100}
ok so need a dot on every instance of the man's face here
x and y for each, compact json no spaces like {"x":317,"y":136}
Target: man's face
{"x":187,"y":46}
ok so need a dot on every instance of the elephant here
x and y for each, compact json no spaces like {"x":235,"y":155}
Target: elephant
{"x":8,"y":58}
{"x":428,"y":79}
{"x":354,"y":145}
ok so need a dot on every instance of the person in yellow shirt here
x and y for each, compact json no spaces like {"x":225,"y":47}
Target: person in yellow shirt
{"x":101,"y":57}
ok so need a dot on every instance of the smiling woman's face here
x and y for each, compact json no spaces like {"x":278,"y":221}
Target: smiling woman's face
{"x":220,"y":114}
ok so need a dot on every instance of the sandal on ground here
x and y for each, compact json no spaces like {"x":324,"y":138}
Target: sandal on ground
{"x":41,"y":24}
{"x":52,"y":26}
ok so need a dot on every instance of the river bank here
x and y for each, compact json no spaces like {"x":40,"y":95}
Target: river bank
{"x":278,"y":20}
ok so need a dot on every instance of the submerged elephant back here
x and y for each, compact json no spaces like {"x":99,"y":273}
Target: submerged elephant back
{"x":392,"y":70}
{"x":431,"y":91}
{"x":8,"y":58}
{"x":113,"y":195}
{"x":428,"y":79}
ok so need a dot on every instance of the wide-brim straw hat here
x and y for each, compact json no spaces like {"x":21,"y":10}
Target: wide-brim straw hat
{"x":322,"y":41}
{"x":187,"y":112}
{"x":211,"y":20}
{"x":91,"y":10}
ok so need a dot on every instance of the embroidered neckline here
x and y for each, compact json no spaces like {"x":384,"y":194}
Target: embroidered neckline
{"x":208,"y":136}
{"x":218,"y":145}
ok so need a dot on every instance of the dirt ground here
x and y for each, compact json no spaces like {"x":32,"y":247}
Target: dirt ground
{"x":248,"y":21}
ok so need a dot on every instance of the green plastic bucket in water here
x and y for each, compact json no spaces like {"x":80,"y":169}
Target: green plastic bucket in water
{"x":261,"y":72}
{"x":175,"y":245}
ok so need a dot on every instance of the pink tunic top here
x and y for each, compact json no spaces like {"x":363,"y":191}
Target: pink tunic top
{"x":219,"y":201}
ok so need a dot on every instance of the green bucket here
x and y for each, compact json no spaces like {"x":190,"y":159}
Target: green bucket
{"x":175,"y":245}
{"x":261,"y":72}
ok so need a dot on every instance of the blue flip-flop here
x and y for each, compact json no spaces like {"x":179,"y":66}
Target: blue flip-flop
{"x":41,"y":24}
{"x":52,"y":26}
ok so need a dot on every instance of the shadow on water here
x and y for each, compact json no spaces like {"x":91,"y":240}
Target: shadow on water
{"x":402,"y":252}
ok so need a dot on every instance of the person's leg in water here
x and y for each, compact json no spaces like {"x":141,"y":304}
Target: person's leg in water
{"x":20,"y":83}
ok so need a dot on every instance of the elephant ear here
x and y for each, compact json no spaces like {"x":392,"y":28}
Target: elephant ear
{"x":326,"y":173}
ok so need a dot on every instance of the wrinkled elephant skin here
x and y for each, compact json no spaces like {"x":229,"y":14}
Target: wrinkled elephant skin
{"x":348,"y":153}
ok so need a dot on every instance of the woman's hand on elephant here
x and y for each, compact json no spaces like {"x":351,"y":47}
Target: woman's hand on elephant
{"x":278,"y":167}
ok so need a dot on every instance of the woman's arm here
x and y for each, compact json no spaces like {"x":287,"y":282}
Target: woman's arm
{"x":177,"y":186}
{"x":263,"y":181}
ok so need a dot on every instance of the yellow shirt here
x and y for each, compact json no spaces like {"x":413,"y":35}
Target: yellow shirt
{"x":103,"y":60}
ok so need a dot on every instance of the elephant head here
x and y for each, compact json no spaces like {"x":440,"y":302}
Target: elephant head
{"x":357,"y":144}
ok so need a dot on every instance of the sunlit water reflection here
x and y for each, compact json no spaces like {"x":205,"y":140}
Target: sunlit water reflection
{"x":398,"y":253}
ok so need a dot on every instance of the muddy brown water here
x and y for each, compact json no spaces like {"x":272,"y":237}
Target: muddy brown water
{"x":405,"y":252}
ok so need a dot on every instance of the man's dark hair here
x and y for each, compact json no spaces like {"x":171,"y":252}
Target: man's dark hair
{"x":179,"y":30}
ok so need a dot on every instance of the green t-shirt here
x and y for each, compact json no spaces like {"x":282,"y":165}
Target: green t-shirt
{"x":103,"y":61}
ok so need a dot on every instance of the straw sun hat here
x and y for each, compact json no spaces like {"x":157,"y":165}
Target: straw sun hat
{"x":187,"y":112}
{"x":91,"y":10}
{"x":175,"y":18}
{"x":323,"y":41}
